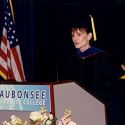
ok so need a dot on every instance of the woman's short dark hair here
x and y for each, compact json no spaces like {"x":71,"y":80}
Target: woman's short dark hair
{"x":82,"y":22}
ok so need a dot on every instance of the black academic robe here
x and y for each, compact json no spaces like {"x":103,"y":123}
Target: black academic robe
{"x":94,"y":71}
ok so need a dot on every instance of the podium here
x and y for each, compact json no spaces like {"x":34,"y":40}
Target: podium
{"x":86,"y":109}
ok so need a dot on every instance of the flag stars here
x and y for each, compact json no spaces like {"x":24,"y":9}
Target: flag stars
{"x":14,"y":31}
{"x":16,"y":40}
{"x":11,"y":42}
{"x":11,"y":23}
{"x":9,"y":14}
{"x":10,"y":28}
{"x":12,"y":37}
{"x":5,"y":18}
{"x":5,"y":23}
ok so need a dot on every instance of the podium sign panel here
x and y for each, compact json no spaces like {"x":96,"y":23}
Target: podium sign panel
{"x":25,"y":97}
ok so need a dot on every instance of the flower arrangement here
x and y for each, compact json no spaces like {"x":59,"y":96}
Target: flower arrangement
{"x":15,"y":121}
{"x":41,"y":117}
{"x":66,"y":119}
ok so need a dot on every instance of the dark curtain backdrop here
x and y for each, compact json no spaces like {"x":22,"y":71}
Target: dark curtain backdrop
{"x":44,"y":35}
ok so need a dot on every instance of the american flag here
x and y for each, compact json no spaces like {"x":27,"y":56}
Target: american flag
{"x":11,"y":66}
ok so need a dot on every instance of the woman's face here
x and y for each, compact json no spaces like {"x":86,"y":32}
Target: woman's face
{"x":81,"y":38}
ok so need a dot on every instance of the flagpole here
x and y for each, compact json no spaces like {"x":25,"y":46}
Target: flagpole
{"x":11,"y":6}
